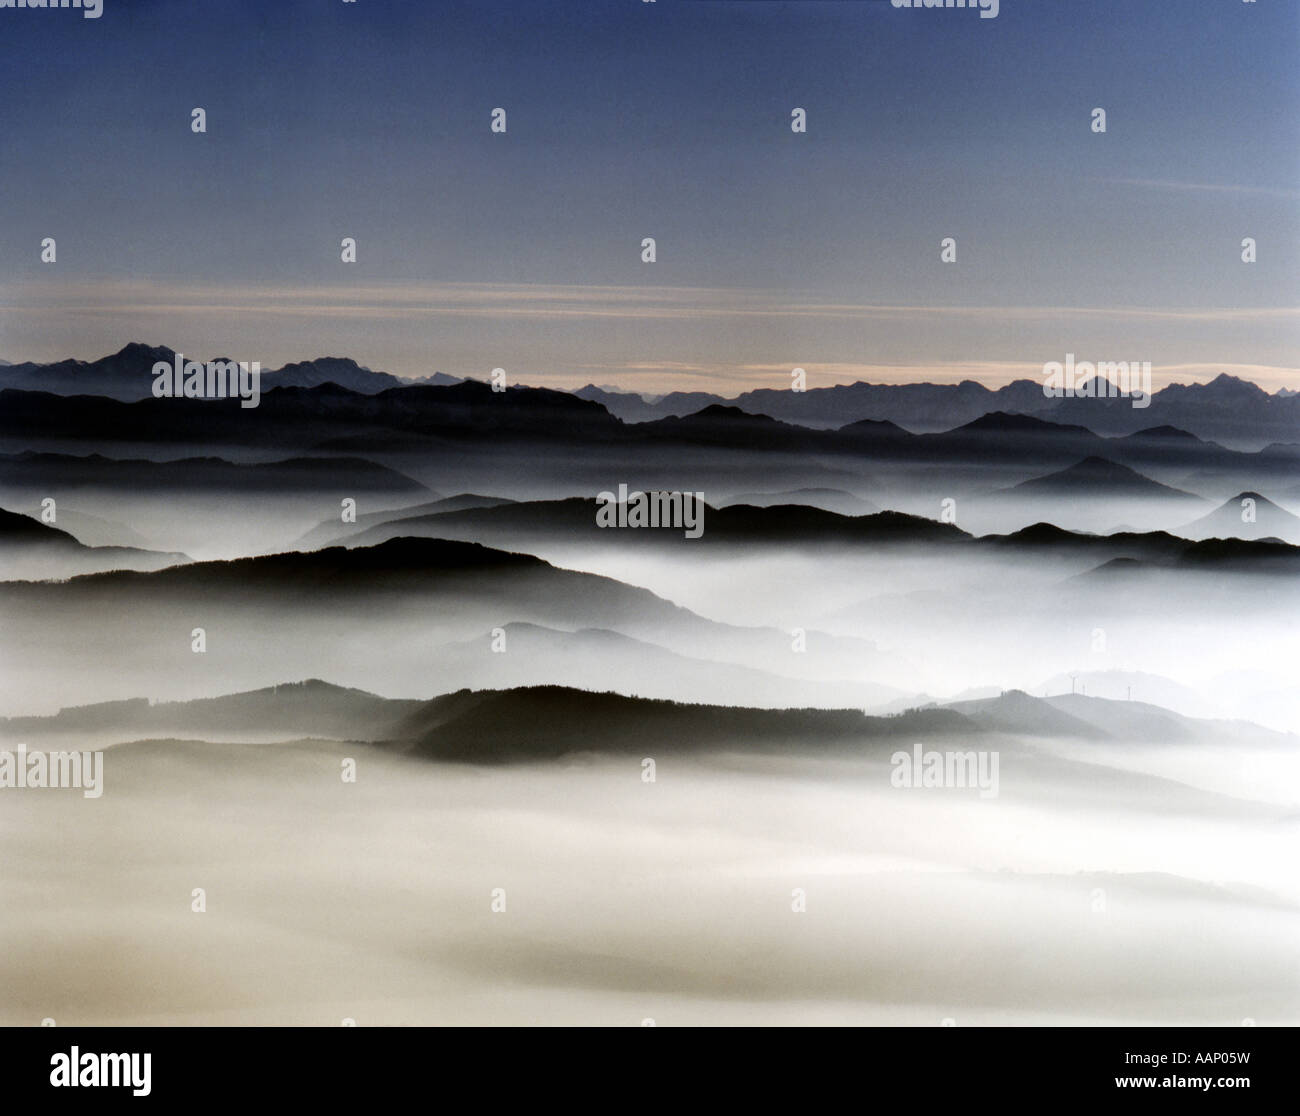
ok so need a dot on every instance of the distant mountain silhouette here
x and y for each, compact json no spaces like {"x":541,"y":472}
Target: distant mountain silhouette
{"x":828,"y":499}
{"x":329,"y":370}
{"x":575,"y":519}
{"x":1161,"y":433}
{"x":325,"y":574}
{"x":49,"y":471}
{"x":346,"y":373}
{"x":1000,"y":438}
{"x":534,"y":723}
{"x":1048,"y":536}
{"x":296,"y":610}
{"x":1098,"y":476}
{"x":305,"y":421}
{"x":999,"y":422}
{"x":722,"y":425}
{"x":867,"y":431}
{"x":546,"y":722}
{"x":1018,"y":712}
{"x":631,"y":407}
{"x":127,"y":375}
{"x":1228,"y":521}
{"x":601,"y":659}
{"x":1142,"y":686}
{"x":793,"y":523}
{"x":1128,"y":552}
{"x":1093,"y":718}
{"x":1227,"y":409}
{"x":303,"y":418}
{"x":94,"y":530}
{"x":1251,"y":556}
{"x":333,"y":531}
{"x":1153,"y":724}
{"x":920,"y":407}
{"x":293,"y":709}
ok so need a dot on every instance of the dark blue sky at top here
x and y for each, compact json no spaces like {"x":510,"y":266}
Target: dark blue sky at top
{"x":667,"y":119}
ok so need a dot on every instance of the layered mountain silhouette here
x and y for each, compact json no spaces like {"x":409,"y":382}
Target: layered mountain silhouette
{"x":528,"y":723}
{"x":574,"y":520}
{"x":916,"y":407}
{"x":538,"y":723}
{"x":412,"y":595}
{"x":602,"y":659}
{"x":345,"y":372}
{"x":1077,"y":716}
{"x":58,"y":472}
{"x":1247,"y":556}
{"x":1227,"y":409}
{"x":1126,"y":550}
{"x":546,"y":722}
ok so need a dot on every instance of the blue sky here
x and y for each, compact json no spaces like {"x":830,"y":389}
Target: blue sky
{"x":667,"y":120}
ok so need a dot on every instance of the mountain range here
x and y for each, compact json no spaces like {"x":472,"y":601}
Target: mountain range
{"x":532,"y":723}
{"x":128,"y":374}
{"x":1226,"y":409}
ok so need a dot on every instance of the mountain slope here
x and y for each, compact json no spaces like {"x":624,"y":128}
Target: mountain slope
{"x":32,"y":551}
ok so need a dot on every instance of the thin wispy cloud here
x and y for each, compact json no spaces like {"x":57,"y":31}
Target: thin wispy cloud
{"x":398,"y":301}
{"x":1205,"y":187}
{"x":655,"y":337}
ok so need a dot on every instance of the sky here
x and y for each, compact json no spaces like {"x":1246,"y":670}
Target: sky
{"x":671,"y":120}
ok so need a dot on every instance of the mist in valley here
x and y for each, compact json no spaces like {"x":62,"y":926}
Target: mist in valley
{"x":496,"y":667}
{"x":1067,"y":899}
